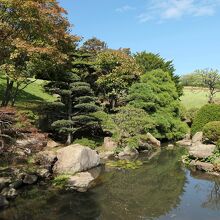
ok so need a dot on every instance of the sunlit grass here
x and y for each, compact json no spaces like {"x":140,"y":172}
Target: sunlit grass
{"x":195,"y":97}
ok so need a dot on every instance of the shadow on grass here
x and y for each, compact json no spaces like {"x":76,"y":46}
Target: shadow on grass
{"x":24,"y":99}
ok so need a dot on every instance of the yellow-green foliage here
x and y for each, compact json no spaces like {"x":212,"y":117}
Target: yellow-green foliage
{"x":211,"y":131}
{"x":208,"y":113}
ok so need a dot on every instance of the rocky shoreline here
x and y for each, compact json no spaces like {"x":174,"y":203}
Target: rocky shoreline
{"x":201,"y":156}
{"x":39,"y":160}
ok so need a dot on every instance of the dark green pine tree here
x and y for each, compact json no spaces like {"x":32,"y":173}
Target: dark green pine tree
{"x":78,"y":103}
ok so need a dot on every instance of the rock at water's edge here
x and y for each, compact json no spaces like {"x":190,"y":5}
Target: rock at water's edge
{"x":75,"y":158}
{"x":81,"y":182}
{"x":201,"y":151}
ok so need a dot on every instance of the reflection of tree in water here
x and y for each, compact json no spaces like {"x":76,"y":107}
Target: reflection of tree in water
{"x":53,"y":205}
{"x":150,"y":191}
{"x":213,"y":199}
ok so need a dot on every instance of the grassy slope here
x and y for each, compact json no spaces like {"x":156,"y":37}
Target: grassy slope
{"x":196,"y":97}
{"x":32,"y":95}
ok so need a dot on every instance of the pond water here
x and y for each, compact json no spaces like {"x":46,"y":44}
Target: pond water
{"x":161,"y":189}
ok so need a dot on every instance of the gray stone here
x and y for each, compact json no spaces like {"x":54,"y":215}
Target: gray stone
{"x":9,"y":193}
{"x":207,"y":167}
{"x":4,"y":181}
{"x":81,"y":182}
{"x":197,"y":138}
{"x":201,"y":151}
{"x":152,"y":140}
{"x":106,"y":155}
{"x":128,"y":153}
{"x":75,"y":158}
{"x":30,"y":179}
{"x":109,"y":144}
{"x":3,"y":202}
{"x":184,"y":142}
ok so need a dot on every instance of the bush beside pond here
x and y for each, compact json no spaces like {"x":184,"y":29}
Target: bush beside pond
{"x":208,"y":113}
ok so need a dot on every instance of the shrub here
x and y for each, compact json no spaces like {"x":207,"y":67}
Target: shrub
{"x":208,"y":113}
{"x":132,"y":123}
{"x":212,"y":131}
{"x":168,"y":127}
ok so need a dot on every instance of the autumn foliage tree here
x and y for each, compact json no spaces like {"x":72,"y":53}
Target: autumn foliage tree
{"x":29,"y":30}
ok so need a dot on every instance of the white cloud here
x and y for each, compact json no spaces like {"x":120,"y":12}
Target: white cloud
{"x":125,"y":8}
{"x":174,"y":9}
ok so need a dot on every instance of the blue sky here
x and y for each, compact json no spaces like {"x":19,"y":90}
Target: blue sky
{"x":185,"y":31}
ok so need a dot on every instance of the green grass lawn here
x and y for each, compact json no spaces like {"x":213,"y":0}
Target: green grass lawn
{"x":195,"y":97}
{"x":32,"y":96}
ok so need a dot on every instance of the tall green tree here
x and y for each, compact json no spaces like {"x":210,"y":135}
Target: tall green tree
{"x":115,"y":71}
{"x":151,"y":61}
{"x":156,"y":93}
{"x":77,"y":102}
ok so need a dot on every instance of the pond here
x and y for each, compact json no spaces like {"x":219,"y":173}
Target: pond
{"x":161,"y":189}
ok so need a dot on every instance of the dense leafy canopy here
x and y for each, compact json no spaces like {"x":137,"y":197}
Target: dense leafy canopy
{"x":116,"y":71}
{"x":151,"y":61}
{"x":29,"y":31}
{"x":157,"y":95}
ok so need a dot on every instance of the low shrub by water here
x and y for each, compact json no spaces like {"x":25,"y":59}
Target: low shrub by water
{"x":208,"y":113}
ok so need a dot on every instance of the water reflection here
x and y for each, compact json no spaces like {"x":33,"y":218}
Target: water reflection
{"x":212,"y":200}
{"x":148,"y":192}
{"x":160,"y":189}
{"x":53,"y":205}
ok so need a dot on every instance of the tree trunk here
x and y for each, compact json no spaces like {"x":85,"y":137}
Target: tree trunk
{"x":8,"y":92}
{"x":14,"y":96}
{"x":69,"y":135}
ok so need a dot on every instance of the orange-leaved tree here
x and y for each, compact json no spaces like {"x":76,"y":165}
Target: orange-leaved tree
{"x":30,"y":30}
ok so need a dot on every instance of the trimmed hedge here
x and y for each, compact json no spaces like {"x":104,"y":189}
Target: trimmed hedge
{"x":211,"y":131}
{"x":208,"y":113}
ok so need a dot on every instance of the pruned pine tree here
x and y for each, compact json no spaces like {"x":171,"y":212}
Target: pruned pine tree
{"x":78,"y":102}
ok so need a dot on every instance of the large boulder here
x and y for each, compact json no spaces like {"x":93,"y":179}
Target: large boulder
{"x":201,"y":151}
{"x":109,"y":144}
{"x":197,"y":138}
{"x":81,"y":182}
{"x":75,"y":158}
